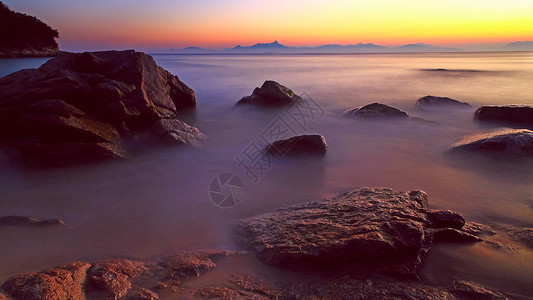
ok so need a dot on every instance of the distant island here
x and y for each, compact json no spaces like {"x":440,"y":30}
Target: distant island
{"x":25,"y":36}
{"x":276,"y":47}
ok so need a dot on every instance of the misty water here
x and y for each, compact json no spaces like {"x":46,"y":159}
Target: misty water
{"x":158,"y":203}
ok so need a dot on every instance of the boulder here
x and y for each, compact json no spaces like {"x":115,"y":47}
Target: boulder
{"x":112,"y":278}
{"x":376,"y":111}
{"x":512,"y":143}
{"x":80,"y":107}
{"x":430,"y":102}
{"x":191,"y":264}
{"x":314,"y":144}
{"x":370,"y":225}
{"x":28,"y":221}
{"x":514,"y":114}
{"x":61,"y":282}
{"x":271,"y":94}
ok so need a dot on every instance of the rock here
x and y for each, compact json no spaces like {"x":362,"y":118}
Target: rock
{"x":446,"y":219}
{"x":501,"y":142}
{"x":314,"y":144}
{"x":28,"y":221}
{"x":112,"y":278}
{"x":80,"y":107}
{"x":143,"y":294}
{"x":453,"y":235}
{"x":62,"y":282}
{"x":175,"y":132}
{"x":271,"y":94}
{"x":25,"y":36}
{"x":514,"y":114}
{"x":188,"y":264}
{"x":368,"y":224}
{"x":376,"y":110}
{"x":473,"y":290}
{"x":430,"y":102}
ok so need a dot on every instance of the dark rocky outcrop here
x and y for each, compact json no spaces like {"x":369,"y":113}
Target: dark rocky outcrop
{"x":271,"y":94}
{"x":28,"y":221}
{"x":505,"y":143}
{"x":313,"y":144}
{"x":513,"y":114}
{"x":25,"y":36}
{"x":371,"y":225}
{"x":376,"y":111}
{"x":81,"y":107}
{"x":431,"y":102}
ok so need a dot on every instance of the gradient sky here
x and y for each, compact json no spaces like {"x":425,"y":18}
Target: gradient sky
{"x":160,"y":24}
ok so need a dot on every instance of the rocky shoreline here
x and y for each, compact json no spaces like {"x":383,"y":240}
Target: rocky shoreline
{"x":370,"y":240}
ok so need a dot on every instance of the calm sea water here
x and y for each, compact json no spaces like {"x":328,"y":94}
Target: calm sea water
{"x":158,"y":203}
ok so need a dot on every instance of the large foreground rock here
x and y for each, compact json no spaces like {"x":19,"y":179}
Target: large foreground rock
{"x":515,"y":114}
{"x":512,"y":143}
{"x":271,"y":94}
{"x":80,"y":107}
{"x":431,"y":102}
{"x":370,"y":225}
{"x":312,"y":144}
{"x":376,"y":111}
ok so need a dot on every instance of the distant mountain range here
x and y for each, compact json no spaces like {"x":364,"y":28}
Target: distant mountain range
{"x":276,"y":47}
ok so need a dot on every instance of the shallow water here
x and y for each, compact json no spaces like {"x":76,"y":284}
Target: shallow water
{"x":159,"y":203}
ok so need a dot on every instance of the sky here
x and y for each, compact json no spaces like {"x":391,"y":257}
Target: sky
{"x":161,"y":24}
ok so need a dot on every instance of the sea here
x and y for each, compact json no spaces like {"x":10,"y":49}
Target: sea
{"x":162,"y":200}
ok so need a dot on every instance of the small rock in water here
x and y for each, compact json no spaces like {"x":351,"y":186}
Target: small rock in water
{"x":28,"y":221}
{"x":514,"y":114}
{"x":313,"y":144}
{"x":376,"y":110}
{"x":271,"y":94}
{"x":504,"y":143}
{"x":428,"y":102}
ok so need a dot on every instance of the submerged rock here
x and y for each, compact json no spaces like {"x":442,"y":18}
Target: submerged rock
{"x":515,"y":114}
{"x":376,"y":110}
{"x":271,"y":94}
{"x":428,"y":102}
{"x":313,"y":144}
{"x":28,"y":221}
{"x":79,"y":107}
{"x":501,"y":142}
{"x":371,"y":225}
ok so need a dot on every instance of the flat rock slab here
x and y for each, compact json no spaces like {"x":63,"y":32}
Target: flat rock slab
{"x":368,"y":224}
{"x":511,"y":143}
{"x":271,"y":94}
{"x":376,"y":111}
{"x":432,"y":102}
{"x":515,"y":114}
{"x":313,"y":144}
{"x":28,"y":221}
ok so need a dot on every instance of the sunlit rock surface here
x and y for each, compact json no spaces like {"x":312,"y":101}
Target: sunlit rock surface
{"x":271,"y":94}
{"x":375,"y":111}
{"x":505,"y":142}
{"x":80,"y":107}
{"x":389,"y":230}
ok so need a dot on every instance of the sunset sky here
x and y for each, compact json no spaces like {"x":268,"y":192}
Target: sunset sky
{"x":160,"y":24}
